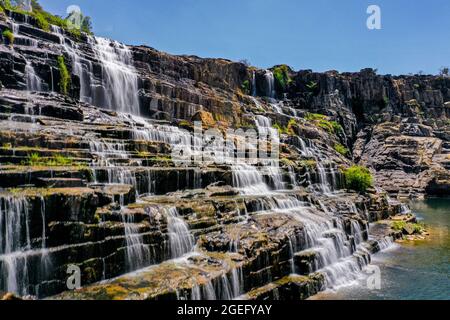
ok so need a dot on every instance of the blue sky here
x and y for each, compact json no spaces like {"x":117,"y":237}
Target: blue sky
{"x":319,"y":35}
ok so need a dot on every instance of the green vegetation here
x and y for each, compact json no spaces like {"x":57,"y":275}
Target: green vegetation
{"x":246,"y":87}
{"x":64,"y":83}
{"x":185,"y":124}
{"x":341,"y":149}
{"x":358,"y":178}
{"x":309,"y":164}
{"x":322,"y":121}
{"x":7,"y":145}
{"x":60,"y":160}
{"x":282,"y":78}
{"x":44,"y":20}
{"x":8,"y":35}
{"x":287,"y":162}
{"x":312,"y":85}
{"x":400,"y":225}
{"x":286,"y":130}
{"x":280,"y":129}
{"x":143,"y":154}
{"x":5,"y":4}
{"x":34,"y":159}
{"x":315,"y":117}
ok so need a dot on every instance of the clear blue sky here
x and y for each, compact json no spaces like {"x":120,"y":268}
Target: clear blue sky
{"x":319,"y":35}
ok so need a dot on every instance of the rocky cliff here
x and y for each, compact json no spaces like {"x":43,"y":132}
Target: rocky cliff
{"x":87,"y":176}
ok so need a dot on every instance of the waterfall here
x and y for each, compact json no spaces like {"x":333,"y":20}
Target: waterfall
{"x":118,"y":87}
{"x":15,"y":28}
{"x":80,"y":66}
{"x":14,"y":224}
{"x":181,"y":240}
{"x":254,"y":84}
{"x":338,"y":258}
{"x":323,"y":182}
{"x":404,"y":209}
{"x":16,"y":246}
{"x":227,"y":286}
{"x":266,"y":131}
{"x":137,"y":252}
{"x":270,"y":84}
{"x":385,"y":243}
{"x":119,"y":78}
{"x":249,"y":180}
{"x":34,"y":83}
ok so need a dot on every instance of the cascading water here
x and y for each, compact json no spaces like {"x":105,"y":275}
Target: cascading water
{"x":138,"y":254}
{"x":254,"y":84}
{"x":17,"y":246}
{"x":118,"y":87}
{"x":181,"y":240}
{"x":34,"y":83}
{"x":270,"y":84}
{"x":119,"y":78}
{"x":249,"y":180}
{"x":269,"y":134}
{"x":15,"y":231}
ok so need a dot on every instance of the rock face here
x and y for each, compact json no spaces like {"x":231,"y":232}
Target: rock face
{"x":88,"y":176}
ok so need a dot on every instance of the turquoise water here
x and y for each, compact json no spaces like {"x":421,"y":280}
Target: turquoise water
{"x":411,"y":270}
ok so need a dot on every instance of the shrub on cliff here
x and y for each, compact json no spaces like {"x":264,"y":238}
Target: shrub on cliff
{"x":322,"y":121}
{"x":64,"y":82}
{"x":5,"y":4}
{"x":7,"y":34}
{"x":341,"y":149}
{"x":358,"y":178}
{"x":282,"y":78}
{"x":246,"y":87}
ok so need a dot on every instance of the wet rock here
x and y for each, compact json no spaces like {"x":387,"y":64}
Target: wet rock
{"x":10,"y":297}
{"x":60,"y":183}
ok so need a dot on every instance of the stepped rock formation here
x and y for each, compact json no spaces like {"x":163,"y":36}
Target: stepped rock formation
{"x":87,"y":177}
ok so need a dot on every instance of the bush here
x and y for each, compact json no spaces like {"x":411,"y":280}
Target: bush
{"x":282,"y":78}
{"x":246,"y":87}
{"x":322,"y":121}
{"x":41,"y":21}
{"x":315,"y":117}
{"x":60,"y":160}
{"x":35,"y":159}
{"x":309,"y":164}
{"x":64,"y":83}
{"x":7,"y":34}
{"x":286,"y":130}
{"x":312,"y":85}
{"x":399,"y":225}
{"x":341,"y":149}
{"x":358,"y":178}
{"x":5,"y":4}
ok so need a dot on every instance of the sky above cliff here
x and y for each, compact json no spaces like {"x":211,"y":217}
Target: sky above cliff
{"x":320,"y":35}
